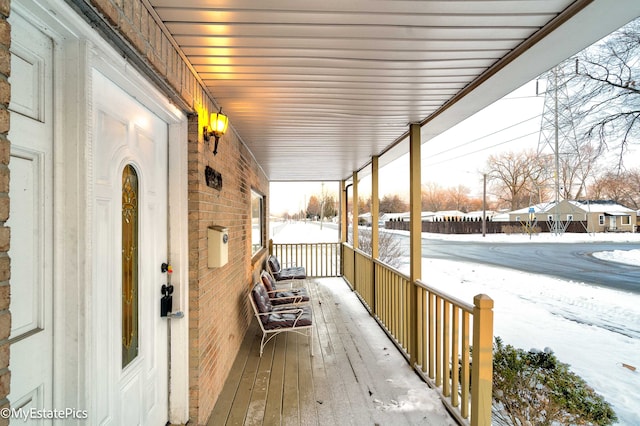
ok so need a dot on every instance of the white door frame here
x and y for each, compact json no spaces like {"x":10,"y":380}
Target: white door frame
{"x":78,"y":49}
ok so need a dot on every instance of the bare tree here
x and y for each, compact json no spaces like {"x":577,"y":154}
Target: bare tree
{"x":634,"y":183}
{"x":457,"y":198}
{"x":517,"y":178}
{"x":605,"y":91}
{"x":576,"y":167}
{"x":392,"y":204}
{"x":623,"y":188}
{"x":433,"y":198}
{"x":364,"y":206}
{"x":329,"y":205}
{"x":313,"y":206}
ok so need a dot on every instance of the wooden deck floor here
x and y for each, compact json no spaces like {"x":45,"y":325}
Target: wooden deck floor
{"x":356,"y":376}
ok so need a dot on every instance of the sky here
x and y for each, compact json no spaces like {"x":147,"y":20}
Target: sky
{"x":594,"y":329}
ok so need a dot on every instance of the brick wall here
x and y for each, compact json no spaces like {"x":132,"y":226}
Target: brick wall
{"x":5,"y":272}
{"x":218,"y":308}
{"x":218,"y":311}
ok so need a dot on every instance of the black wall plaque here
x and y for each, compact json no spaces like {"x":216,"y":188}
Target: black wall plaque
{"x":213,"y":178}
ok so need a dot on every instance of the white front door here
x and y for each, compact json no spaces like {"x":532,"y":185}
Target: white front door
{"x":31,"y":223}
{"x":129,"y":214}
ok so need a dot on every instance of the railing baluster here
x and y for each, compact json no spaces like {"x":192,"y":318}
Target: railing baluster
{"x":438,"y":341}
{"x":432,"y":336}
{"x":466,"y":360}
{"x":446,"y":349}
{"x":455,"y":356}
{"x":420,"y":327}
{"x":424,"y":331}
{"x":443,"y":353}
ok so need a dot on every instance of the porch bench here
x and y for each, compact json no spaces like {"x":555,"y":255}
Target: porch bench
{"x":285,"y":274}
{"x":280,"y":296}
{"x":274,"y":320}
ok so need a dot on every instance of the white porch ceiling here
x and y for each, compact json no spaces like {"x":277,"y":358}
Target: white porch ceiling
{"x":316,"y":88}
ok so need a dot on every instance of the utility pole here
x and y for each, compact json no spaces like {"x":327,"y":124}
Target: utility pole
{"x":484,"y":204}
{"x":321,"y":205}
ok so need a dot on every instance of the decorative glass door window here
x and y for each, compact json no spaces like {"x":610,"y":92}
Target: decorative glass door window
{"x":129,"y":265}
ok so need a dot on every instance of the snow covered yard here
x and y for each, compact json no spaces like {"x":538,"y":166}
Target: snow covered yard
{"x":593,"y":329}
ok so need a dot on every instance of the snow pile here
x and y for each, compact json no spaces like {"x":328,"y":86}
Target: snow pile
{"x":630,"y":257}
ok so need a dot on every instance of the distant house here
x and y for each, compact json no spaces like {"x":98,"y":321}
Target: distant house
{"x":364,"y":219}
{"x":597,"y":215}
{"x":391,"y":216}
{"x":501,"y":216}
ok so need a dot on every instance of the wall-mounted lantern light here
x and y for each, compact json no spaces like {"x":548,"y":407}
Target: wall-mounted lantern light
{"x":217,"y":127}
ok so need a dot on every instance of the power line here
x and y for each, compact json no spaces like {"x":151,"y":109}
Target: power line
{"x":482,"y":149}
{"x":537,"y":116}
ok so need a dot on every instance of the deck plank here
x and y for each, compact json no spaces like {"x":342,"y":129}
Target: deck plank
{"x":290,"y":392}
{"x":365,"y":351}
{"x":273,"y":411}
{"x":308,"y":412}
{"x":242,"y":400}
{"x":225,"y":400}
{"x":356,"y":375}
{"x":338,"y":398}
{"x":258,"y":404}
{"x":323,"y":388}
{"x":360,"y":409}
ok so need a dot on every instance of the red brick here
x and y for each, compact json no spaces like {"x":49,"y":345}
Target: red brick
{"x":5,"y":235}
{"x":5,"y":7}
{"x":5,"y":33}
{"x":5,"y":381}
{"x":5,"y":60}
{"x":5,"y":267}
{"x":4,"y":120}
{"x":110,"y":10}
{"x":4,"y":207}
{"x":5,"y":326}
{"x":5,"y":150}
{"x":4,"y":355}
{"x":4,"y":179}
{"x":5,"y":92}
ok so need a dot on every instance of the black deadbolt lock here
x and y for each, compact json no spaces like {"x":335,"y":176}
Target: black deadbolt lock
{"x":166,"y":302}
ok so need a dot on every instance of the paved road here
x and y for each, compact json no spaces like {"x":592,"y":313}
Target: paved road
{"x":571,"y":261}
